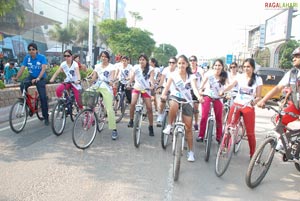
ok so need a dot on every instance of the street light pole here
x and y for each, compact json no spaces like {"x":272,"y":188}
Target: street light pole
{"x":90,"y":41}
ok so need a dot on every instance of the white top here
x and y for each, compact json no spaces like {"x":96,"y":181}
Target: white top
{"x":141,"y":82}
{"x":70,"y":72}
{"x":124,"y":73}
{"x":156,"y":72}
{"x":166,"y":72}
{"x":286,"y":78}
{"x":212,"y":86}
{"x":198,"y":75}
{"x":180,"y":88}
{"x":245,"y":93}
{"x":104,"y":75}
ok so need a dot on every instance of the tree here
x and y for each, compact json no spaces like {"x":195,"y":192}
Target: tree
{"x":65,"y":35}
{"x":12,"y":9}
{"x":163,"y":52}
{"x":136,"y":16}
{"x":285,"y":53}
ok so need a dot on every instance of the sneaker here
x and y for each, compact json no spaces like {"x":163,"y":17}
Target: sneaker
{"x":130,"y":124}
{"x":114,"y":134}
{"x":279,"y":145}
{"x":167,"y":130}
{"x":196,"y":127}
{"x":46,"y":122}
{"x":199,"y":139}
{"x":190,"y":156}
{"x":151,"y":133}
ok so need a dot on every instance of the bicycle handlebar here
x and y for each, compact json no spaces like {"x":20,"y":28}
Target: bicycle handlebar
{"x":182,"y":102}
{"x":281,"y":112}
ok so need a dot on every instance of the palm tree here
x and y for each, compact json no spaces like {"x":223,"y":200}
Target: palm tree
{"x":136,"y":16}
{"x":64,"y":35}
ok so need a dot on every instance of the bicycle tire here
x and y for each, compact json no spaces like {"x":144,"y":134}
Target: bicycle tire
{"x":16,"y":117}
{"x":177,"y":154}
{"x":256,"y":162}
{"x":101,"y":116}
{"x":225,"y":117}
{"x":164,"y":137}
{"x":118,"y":108}
{"x":224,"y":154}
{"x":58,"y":118}
{"x":137,"y":128}
{"x":38,"y":108}
{"x":84,"y":129}
{"x":297,"y":166}
{"x":240,"y":135}
{"x":208,"y":138}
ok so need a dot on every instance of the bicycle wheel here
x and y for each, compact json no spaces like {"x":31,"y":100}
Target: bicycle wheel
{"x":137,"y":128}
{"x":297,"y":166}
{"x":208,"y":138}
{"x":118,"y":108}
{"x":260,"y":162}
{"x":164,"y":137}
{"x":178,"y":138}
{"x":38,"y":108}
{"x":224,"y":154}
{"x":84,"y":129}
{"x":241,"y":132}
{"x":18,"y":116}
{"x":101,"y":116}
{"x":225,"y":117}
{"x":58,"y":118}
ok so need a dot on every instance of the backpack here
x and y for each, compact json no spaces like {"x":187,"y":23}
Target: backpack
{"x":294,"y":84}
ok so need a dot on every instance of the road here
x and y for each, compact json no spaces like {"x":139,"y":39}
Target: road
{"x":37,"y":165}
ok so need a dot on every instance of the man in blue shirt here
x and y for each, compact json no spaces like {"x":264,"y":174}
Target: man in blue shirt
{"x":36,"y":64}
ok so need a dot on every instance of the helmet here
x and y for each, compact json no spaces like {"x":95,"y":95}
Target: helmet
{"x":296,"y":51}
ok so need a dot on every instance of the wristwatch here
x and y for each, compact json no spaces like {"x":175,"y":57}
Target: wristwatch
{"x":38,"y":79}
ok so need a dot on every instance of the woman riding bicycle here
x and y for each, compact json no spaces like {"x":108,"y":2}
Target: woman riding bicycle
{"x":213,"y":82}
{"x":123,"y":75}
{"x":102,"y":73}
{"x":143,"y":75}
{"x":71,"y":70}
{"x":180,"y":84}
{"x":249,"y":91}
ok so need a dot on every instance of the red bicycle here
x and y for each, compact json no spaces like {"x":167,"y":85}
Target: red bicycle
{"x":25,"y":106}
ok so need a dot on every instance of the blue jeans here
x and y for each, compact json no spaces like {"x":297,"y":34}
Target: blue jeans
{"x":41,"y":88}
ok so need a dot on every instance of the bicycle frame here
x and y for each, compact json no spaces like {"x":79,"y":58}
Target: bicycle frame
{"x":179,"y":126}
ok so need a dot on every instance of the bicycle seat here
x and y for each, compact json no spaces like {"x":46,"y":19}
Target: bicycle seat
{"x":294,"y":125}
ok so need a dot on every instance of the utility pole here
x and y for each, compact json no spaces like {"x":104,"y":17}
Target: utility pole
{"x":90,"y":41}
{"x":32,"y":21}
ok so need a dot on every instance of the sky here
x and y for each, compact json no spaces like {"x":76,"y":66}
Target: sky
{"x":207,"y":28}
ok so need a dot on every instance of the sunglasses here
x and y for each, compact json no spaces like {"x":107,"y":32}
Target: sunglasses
{"x":67,"y":55}
{"x":171,"y":62}
{"x":31,"y":49}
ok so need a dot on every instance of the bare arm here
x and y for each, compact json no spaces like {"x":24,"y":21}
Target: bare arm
{"x":55,"y":74}
{"x":166,"y":89}
{"x":269,"y":95}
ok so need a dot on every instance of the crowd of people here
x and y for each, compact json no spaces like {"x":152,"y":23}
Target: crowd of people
{"x":182,"y":79}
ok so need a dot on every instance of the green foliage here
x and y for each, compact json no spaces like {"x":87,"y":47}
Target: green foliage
{"x":84,"y":74}
{"x":65,"y":35}
{"x":263,"y":58}
{"x":2,"y":86}
{"x":24,"y":74}
{"x":14,"y":11}
{"x":285,"y":54}
{"x":50,"y":71}
{"x":163,"y":53}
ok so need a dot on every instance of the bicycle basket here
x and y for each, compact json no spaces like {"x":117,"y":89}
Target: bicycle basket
{"x":89,"y":98}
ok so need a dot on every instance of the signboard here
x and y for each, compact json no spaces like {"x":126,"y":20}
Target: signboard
{"x":229,"y":58}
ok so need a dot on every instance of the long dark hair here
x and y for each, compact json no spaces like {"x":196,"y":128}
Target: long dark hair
{"x":223,"y":74}
{"x":253,"y":76}
{"x":146,"y":69}
{"x":188,"y":68}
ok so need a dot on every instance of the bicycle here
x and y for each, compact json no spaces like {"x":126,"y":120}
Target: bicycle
{"x":164,"y":123}
{"x":210,"y":129}
{"x":120,"y":104}
{"x":66,"y":105}
{"x":24,"y":106}
{"x":231,"y":142}
{"x":138,"y":117}
{"x":178,"y":139}
{"x":263,"y":156}
{"x":90,"y":120}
